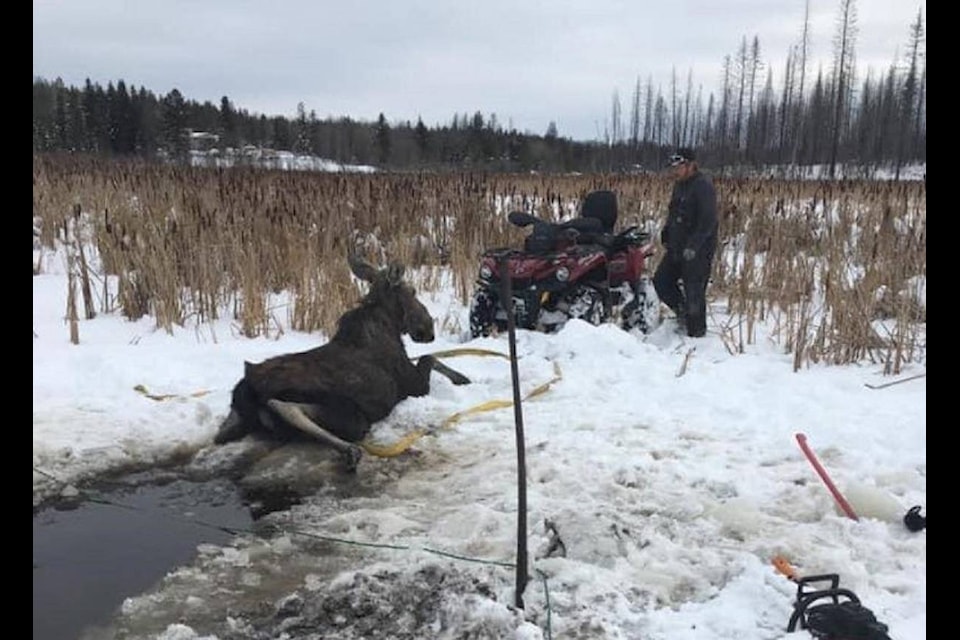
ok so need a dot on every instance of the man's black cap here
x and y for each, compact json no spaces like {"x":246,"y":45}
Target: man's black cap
{"x":682,"y":156}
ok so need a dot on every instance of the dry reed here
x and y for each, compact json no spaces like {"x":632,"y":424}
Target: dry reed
{"x":837,"y":267}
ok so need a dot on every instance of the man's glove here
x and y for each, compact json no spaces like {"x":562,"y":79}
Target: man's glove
{"x":689,"y":254}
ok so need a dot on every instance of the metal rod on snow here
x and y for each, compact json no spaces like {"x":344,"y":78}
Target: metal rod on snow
{"x":506,"y":287}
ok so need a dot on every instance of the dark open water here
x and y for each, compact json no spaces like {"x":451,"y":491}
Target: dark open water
{"x":87,"y":559}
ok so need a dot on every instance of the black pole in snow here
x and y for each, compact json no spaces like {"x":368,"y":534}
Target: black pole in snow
{"x":507,"y":299}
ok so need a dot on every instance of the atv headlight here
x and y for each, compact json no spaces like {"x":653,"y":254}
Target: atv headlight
{"x":486,"y":272}
{"x":563,"y":274}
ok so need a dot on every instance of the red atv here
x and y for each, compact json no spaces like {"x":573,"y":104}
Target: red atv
{"x":574,"y":269}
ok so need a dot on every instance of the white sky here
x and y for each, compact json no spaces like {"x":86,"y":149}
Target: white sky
{"x":671,"y":493}
{"x":528,"y":62}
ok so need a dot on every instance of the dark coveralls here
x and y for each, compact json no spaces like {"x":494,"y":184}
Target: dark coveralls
{"x":691,"y":224}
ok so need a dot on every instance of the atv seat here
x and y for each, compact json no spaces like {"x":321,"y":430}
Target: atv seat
{"x":600,"y":205}
{"x":554,"y":236}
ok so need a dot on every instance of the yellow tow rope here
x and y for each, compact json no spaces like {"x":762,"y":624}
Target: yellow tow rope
{"x":168,"y":396}
{"x":468,"y":351}
{"x":395,"y":449}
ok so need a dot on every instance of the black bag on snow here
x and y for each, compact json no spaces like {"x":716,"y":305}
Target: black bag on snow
{"x":845,"y":618}
{"x":845,"y":621}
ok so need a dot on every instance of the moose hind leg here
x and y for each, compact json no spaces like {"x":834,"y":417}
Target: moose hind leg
{"x":293,"y":413}
{"x":232,"y":428}
{"x":243,"y":414}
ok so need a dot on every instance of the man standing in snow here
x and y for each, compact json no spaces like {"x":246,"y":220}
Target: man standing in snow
{"x":690,"y":239}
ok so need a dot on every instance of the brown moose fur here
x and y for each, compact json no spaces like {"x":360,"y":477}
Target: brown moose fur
{"x":349,"y":383}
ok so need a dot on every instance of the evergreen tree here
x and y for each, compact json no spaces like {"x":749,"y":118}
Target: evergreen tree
{"x":146,"y":110}
{"x":315,"y":134}
{"x":423,"y":139}
{"x":383,"y":140}
{"x":76,"y":125}
{"x":61,"y":128}
{"x":227,"y":125}
{"x":121,"y":122}
{"x":301,"y":132}
{"x":95,"y":115}
{"x":282,"y":134}
{"x":173,"y":125}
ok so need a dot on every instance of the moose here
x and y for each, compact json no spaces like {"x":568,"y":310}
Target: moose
{"x":334,"y":393}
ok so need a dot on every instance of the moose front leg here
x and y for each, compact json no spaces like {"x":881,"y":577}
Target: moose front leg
{"x":455,"y":376}
{"x":428,"y":363}
{"x":294,"y":415}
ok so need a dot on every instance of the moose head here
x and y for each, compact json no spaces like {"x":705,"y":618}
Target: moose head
{"x":388,"y":290}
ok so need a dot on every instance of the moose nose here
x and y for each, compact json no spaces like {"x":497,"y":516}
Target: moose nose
{"x":423,"y":335}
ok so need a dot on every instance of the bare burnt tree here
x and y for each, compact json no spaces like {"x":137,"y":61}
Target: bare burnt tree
{"x":842,"y":74}
{"x":741,"y":72}
{"x":884,"y":126}
{"x":763,"y":123}
{"x":909,"y":95}
{"x":798,"y":119}
{"x":616,"y":120}
{"x":920,"y":124}
{"x":648,"y":119}
{"x":696,"y":119}
{"x":723,"y":117}
{"x":707,"y":130}
{"x":868,"y":120}
{"x":816,"y":139}
{"x":674,"y":117}
{"x":786,"y":103}
{"x":635,"y":116}
{"x":754,"y":65}
{"x":686,"y":133}
{"x":660,"y":116}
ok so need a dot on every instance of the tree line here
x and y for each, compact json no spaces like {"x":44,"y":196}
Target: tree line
{"x":827,"y":119}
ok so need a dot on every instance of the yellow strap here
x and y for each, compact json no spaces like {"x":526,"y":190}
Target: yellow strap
{"x":167,"y":396}
{"x":389,"y":451}
{"x":468,"y":351}
{"x":395,"y":449}
{"x":489,"y":405}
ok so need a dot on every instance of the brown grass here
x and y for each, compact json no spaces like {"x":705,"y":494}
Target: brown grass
{"x":824,"y":261}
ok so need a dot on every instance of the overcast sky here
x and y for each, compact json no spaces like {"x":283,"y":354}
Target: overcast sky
{"x":529,"y":62}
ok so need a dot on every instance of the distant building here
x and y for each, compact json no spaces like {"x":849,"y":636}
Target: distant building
{"x":202,"y":140}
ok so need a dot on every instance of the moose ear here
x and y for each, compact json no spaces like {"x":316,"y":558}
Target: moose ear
{"x":361,"y":268}
{"x":395,"y":273}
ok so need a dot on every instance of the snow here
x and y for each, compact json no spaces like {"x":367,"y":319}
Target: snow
{"x":668,"y":467}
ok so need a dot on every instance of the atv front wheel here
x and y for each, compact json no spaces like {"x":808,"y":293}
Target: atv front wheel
{"x":587,"y":304}
{"x":643,"y":312}
{"x":483,"y":312}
